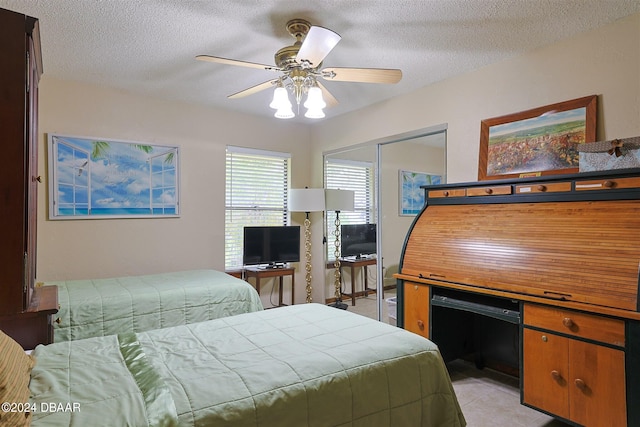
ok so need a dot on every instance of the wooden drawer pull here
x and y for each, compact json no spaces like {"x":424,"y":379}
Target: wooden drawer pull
{"x":608,"y":184}
{"x":568,"y":322}
{"x":556,"y":375}
{"x":421,"y":325}
{"x":488,"y":190}
{"x":580,"y":384}
{"x":445,"y":193}
{"x":542,"y":188}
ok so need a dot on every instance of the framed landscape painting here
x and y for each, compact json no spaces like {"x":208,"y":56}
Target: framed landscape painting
{"x":411,"y":196}
{"x":91,"y":178}
{"x":541,"y":141}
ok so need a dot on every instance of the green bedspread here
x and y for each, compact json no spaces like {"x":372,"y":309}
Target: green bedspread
{"x":302,"y":365}
{"x":100,"y":307}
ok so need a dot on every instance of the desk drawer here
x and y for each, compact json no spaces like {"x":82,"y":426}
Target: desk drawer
{"x":552,"y":187}
{"x":454,"y":192}
{"x":489,"y":191}
{"x":608,"y":184}
{"x":589,"y":326}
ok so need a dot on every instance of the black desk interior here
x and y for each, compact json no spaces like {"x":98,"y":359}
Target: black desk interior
{"x":482,"y":328}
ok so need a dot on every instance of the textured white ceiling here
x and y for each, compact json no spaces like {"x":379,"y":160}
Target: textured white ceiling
{"x":148,"y":46}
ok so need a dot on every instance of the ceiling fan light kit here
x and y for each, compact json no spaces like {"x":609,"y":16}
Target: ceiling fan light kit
{"x":282,"y":104}
{"x":314,"y":103}
{"x":299,"y":65}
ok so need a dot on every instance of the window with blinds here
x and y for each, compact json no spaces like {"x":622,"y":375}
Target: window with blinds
{"x":257,"y":184}
{"x":349,"y":175}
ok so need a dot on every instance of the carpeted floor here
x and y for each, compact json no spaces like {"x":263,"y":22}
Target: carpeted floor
{"x":487,"y":398}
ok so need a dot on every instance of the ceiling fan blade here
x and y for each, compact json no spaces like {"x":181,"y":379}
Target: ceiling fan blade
{"x":364,"y":75}
{"x":316,"y":46}
{"x":329,"y":99}
{"x":226,"y":61}
{"x":254,"y":89}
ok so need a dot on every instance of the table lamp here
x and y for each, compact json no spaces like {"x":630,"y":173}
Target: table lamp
{"x":338,"y":200}
{"x":307,"y":200}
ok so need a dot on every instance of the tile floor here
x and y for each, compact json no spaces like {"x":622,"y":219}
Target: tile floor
{"x":487,"y":398}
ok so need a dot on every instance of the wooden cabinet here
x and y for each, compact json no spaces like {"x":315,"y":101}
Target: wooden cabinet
{"x":22,"y":311}
{"x":565,"y":251}
{"x":417,"y":299}
{"x":581,"y":381}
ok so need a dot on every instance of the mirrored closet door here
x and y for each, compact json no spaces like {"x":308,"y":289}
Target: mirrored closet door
{"x":386,"y":177}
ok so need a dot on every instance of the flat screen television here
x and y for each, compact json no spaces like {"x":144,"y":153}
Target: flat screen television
{"x":357,"y":240}
{"x":271,"y":245}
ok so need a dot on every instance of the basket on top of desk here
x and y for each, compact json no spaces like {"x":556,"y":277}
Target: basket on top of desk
{"x":606,"y":155}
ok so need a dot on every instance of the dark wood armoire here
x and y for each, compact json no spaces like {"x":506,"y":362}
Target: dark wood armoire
{"x":25,"y":311}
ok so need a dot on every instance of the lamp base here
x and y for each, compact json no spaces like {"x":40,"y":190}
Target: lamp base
{"x":339,"y":304}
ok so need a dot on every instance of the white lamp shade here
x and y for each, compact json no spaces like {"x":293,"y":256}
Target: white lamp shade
{"x":306,"y":199}
{"x":314,"y":99}
{"x":280,"y":99}
{"x":339,"y":200}
{"x":284,"y":113}
{"x":313,"y":113}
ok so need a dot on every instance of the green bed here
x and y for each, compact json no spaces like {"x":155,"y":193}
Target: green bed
{"x":302,"y":365}
{"x":100,"y":307}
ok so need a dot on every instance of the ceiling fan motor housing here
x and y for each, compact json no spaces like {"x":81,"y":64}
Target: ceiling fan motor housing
{"x":298,"y":28}
{"x":285,"y":58}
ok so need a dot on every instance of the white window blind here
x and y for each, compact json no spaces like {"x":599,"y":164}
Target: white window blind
{"x":350,"y":175}
{"x":257,"y":184}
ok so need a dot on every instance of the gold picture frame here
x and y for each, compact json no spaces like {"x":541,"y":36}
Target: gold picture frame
{"x":540,"y":141}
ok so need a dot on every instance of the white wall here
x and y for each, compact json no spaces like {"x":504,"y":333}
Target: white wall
{"x":605,"y":62}
{"x":74,"y":249}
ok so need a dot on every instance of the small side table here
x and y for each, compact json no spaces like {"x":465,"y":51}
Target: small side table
{"x":35,"y":325}
{"x":353,"y":264}
{"x":266,"y":273}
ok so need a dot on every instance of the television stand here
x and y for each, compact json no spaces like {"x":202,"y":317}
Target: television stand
{"x":354,"y":264}
{"x":259,"y":273}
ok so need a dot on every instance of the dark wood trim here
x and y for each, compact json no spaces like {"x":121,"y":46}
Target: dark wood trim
{"x":44,"y":300}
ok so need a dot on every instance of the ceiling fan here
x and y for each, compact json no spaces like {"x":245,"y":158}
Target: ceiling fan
{"x":299,"y":68}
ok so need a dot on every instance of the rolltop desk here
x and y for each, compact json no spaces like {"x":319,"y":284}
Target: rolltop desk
{"x":537,"y":277}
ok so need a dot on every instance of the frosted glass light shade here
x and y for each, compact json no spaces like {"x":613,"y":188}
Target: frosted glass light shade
{"x":314,"y":113}
{"x":314,"y":103}
{"x":306,"y":199}
{"x":284,"y":113}
{"x":314,"y":99}
{"x":339,"y":200}
{"x":280,"y":99}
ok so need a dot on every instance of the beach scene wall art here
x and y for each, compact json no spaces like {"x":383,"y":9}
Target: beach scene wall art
{"x":411,"y":195}
{"x":91,"y":178}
